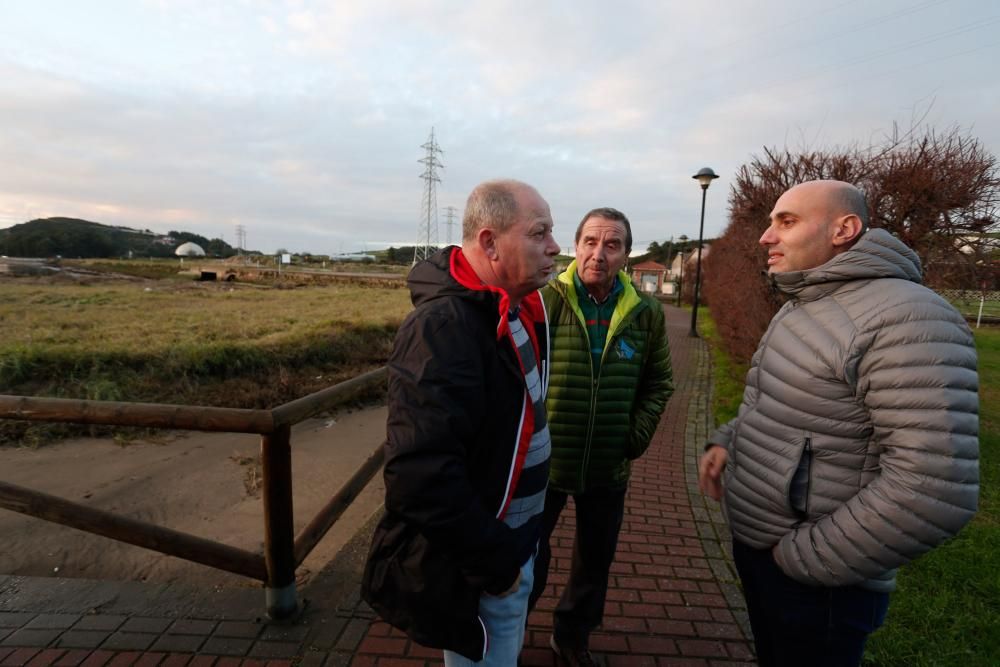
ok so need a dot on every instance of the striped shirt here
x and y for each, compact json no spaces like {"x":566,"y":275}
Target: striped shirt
{"x":528,"y":500}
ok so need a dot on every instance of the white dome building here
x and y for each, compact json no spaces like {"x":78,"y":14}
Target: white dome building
{"x":189,"y":250}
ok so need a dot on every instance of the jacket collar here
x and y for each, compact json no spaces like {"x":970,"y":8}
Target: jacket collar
{"x":628,"y":299}
{"x":878,"y":254}
{"x":531,"y":307}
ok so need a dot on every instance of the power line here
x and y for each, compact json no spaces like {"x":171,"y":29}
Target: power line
{"x":449,"y":220}
{"x":241,"y":239}
{"x":900,"y":48}
{"x":813,"y":74}
{"x":427,"y":233}
{"x":807,"y":42}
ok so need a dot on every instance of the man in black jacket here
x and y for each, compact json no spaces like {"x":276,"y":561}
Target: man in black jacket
{"x":467,"y":443}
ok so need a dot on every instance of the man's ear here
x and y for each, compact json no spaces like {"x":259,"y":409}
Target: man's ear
{"x":846,"y":230}
{"x":486,"y":238}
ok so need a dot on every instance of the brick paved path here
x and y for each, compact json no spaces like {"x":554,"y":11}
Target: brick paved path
{"x":672,"y":598}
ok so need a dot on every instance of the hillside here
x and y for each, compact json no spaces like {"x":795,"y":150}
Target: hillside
{"x":71,"y":237}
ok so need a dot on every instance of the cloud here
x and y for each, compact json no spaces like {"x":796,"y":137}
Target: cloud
{"x":303,"y":120}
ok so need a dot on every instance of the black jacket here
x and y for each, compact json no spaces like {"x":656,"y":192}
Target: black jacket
{"x":456,"y":404}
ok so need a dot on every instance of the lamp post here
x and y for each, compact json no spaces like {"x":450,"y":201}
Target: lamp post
{"x":705,"y":176}
{"x":680,"y":275}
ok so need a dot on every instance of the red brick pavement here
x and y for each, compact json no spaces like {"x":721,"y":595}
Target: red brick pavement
{"x":46,"y":657}
{"x":670,"y":601}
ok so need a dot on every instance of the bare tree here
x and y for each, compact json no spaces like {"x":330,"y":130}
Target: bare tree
{"x":937,"y":192}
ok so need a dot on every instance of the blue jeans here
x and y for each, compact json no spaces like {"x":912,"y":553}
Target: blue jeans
{"x":795,"y":624}
{"x":504,"y":619}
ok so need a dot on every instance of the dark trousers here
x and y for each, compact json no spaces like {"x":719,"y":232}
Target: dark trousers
{"x":599,"y":514}
{"x":795,"y":624}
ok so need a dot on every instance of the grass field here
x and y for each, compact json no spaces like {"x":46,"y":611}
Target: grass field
{"x":728,"y":375}
{"x":968,"y":303}
{"x":946,"y":611}
{"x":970,"y":309}
{"x":152,"y":269}
{"x":128,"y":319}
{"x":195,"y":343}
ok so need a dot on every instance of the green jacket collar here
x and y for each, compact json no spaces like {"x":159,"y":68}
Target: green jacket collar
{"x":628,"y":300}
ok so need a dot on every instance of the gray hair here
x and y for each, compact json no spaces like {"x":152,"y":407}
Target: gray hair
{"x":491,"y":204}
{"x":611,"y":214}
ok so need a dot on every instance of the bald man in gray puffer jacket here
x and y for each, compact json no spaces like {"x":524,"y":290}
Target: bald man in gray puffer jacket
{"x":856,"y":447}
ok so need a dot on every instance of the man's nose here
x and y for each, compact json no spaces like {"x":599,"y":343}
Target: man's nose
{"x":553,"y":248}
{"x":767,"y":238}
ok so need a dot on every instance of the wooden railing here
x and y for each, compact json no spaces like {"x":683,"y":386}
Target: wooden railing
{"x":283,"y":551}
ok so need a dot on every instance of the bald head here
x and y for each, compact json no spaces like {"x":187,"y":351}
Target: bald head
{"x":812,"y":223}
{"x":494,"y":204}
{"x":507,"y":237}
{"x":840,"y":198}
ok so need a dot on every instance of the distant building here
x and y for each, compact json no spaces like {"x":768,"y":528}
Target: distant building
{"x":649,"y":276}
{"x":968,"y":245}
{"x":683,"y":268}
{"x":189,"y":250}
{"x":353,"y":257}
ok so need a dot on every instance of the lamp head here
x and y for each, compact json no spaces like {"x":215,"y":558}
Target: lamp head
{"x":705,"y":176}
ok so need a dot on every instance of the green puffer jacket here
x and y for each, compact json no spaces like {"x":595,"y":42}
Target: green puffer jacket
{"x":601,"y":419}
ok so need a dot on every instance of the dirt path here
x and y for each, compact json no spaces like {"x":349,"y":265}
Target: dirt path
{"x":200,"y":483}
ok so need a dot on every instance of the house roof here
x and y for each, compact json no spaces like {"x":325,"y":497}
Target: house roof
{"x":649,"y":265}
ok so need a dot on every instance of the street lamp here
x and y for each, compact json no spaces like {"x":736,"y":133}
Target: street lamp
{"x":705,"y":176}
{"x":680,"y":276}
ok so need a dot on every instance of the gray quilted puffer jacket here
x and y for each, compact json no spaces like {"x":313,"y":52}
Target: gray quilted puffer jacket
{"x":856,"y":448}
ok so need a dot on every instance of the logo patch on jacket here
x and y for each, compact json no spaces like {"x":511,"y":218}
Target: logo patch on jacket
{"x":624,"y":350}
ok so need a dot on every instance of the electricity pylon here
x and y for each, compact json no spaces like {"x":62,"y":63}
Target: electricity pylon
{"x":427,"y":235}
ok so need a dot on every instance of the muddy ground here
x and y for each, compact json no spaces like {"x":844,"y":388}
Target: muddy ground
{"x":206,"y":484}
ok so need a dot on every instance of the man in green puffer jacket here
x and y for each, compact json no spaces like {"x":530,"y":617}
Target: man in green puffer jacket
{"x":610,"y":380}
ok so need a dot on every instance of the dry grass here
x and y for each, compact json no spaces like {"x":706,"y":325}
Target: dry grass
{"x":253,"y":475}
{"x":193,"y":343}
{"x":137,"y":318}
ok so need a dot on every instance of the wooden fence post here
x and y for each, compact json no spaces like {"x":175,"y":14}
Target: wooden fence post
{"x":279,"y":529}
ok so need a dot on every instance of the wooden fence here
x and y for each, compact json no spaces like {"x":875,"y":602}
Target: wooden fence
{"x":980,"y":307}
{"x":283,"y":551}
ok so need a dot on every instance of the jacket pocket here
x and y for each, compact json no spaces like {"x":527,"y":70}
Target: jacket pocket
{"x":421,"y":591}
{"x":798,"y":487}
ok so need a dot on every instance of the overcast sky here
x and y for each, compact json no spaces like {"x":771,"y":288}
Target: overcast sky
{"x":303,"y":121}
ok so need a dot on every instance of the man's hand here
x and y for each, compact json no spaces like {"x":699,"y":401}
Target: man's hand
{"x":710,"y":468}
{"x":513,"y":588}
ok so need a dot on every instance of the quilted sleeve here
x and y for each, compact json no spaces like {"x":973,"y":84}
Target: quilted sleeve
{"x":916,"y":376}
